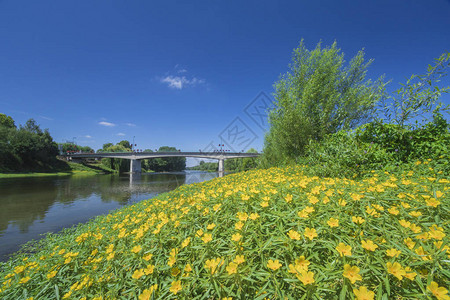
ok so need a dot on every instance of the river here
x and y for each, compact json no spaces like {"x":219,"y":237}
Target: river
{"x":30,"y":207}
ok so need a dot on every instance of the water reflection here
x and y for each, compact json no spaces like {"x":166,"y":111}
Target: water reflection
{"x":30,"y":207}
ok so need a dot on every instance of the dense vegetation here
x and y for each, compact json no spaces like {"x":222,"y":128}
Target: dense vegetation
{"x":326,"y":117}
{"x":231,"y":165}
{"x":26,"y":148}
{"x":261,"y":234}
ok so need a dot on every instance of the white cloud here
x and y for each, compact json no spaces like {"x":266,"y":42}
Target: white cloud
{"x":88,"y":136}
{"x":46,"y":118}
{"x":108,"y":124}
{"x":121,"y":134}
{"x":182,"y":71}
{"x":180,"y":82}
{"x":130,"y":124}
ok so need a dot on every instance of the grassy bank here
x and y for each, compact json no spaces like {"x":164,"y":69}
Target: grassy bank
{"x":262,"y":234}
{"x":64,"y":169}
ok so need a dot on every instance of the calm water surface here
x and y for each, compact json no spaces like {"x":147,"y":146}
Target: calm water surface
{"x":30,"y":207}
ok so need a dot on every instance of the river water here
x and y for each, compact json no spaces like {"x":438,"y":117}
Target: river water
{"x":30,"y":207}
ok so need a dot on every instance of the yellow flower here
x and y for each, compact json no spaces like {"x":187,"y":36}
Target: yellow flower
{"x":212,"y":264}
{"x":421,"y":252}
{"x":332,"y":222}
{"x":396,"y":270}
{"x":432,"y":202}
{"x":344,"y":250}
{"x":232,"y":268}
{"x":363,"y":293}
{"x":288,"y":198}
{"x":188,"y":268}
{"x":136,"y":249}
{"x":109,"y":249}
{"x":342,"y":202}
{"x":313,"y":199}
{"x":404,"y":223}
{"x":110,"y":256}
{"x":149,"y":270}
{"x":199,"y":232}
{"x":254,"y":216}
{"x":369,"y":245}
{"x":25,"y":279}
{"x":357,"y":220}
{"x":51,"y":274}
{"x":309,"y":209}
{"x":410,"y":275}
{"x":436,"y":232}
{"x":264,"y":204}
{"x":239,"y":259}
{"x":210,"y":226}
{"x":356,"y":197}
{"x":239,"y":225}
{"x":302,"y":214}
{"x":273,"y":264}
{"x":415,"y":214}
{"x":294,"y":235}
{"x":236,"y":237}
{"x":186,"y":242}
{"x":207,"y":237}
{"x":439,"y":194}
{"x":409,"y":243}
{"x":172,"y":260}
{"x":138,"y":274}
{"x":176,"y":287}
{"x":437,"y":291}
{"x":147,"y":293}
{"x":310,"y":233}
{"x":306,"y":277}
{"x":242,"y":216}
{"x":393,"y":252}
{"x":352,"y":273}
{"x":393,"y":211}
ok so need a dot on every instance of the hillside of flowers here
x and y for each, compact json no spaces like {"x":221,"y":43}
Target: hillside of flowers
{"x":262,"y":234}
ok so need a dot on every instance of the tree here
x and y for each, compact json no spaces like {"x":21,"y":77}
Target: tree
{"x":7,"y":121}
{"x":167,"y":164}
{"x":318,"y":96}
{"x":126,"y":144}
{"x":419,"y":95}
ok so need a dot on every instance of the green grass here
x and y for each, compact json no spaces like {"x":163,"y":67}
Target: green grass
{"x":68,"y":169}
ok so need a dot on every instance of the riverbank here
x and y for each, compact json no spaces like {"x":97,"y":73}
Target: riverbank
{"x":271,"y":233}
{"x":68,"y":169}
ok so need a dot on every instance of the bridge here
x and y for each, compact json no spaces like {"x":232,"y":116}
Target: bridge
{"x":136,"y":157}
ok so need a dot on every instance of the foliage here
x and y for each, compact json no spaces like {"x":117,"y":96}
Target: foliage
{"x":378,"y":145}
{"x":25,"y":148}
{"x":72,"y":147}
{"x":419,"y":95}
{"x":317,"y":97}
{"x":166,"y":164}
{"x":263,"y":234}
{"x":207,"y":166}
{"x":118,"y":164}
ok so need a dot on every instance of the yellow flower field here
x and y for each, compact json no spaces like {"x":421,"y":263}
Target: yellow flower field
{"x":263,"y":234}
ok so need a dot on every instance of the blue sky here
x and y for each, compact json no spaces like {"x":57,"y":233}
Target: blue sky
{"x":189,"y":73}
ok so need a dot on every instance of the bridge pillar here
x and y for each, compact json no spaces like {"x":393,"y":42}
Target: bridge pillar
{"x":135,"y":166}
{"x":221,"y":165}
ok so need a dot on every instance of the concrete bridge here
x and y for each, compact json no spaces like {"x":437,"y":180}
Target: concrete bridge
{"x":136,"y":157}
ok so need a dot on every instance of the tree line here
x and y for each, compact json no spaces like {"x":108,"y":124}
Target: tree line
{"x":27,"y":147}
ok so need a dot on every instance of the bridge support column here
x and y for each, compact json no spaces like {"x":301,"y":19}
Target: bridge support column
{"x":221,"y":165}
{"x":135,"y":166}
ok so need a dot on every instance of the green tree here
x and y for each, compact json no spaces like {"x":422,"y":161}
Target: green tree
{"x":7,"y":121}
{"x":167,"y":164}
{"x":126,"y":144}
{"x":419,"y":95}
{"x":318,"y":96}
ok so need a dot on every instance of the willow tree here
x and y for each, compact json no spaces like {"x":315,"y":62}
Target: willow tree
{"x":319,"y":95}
